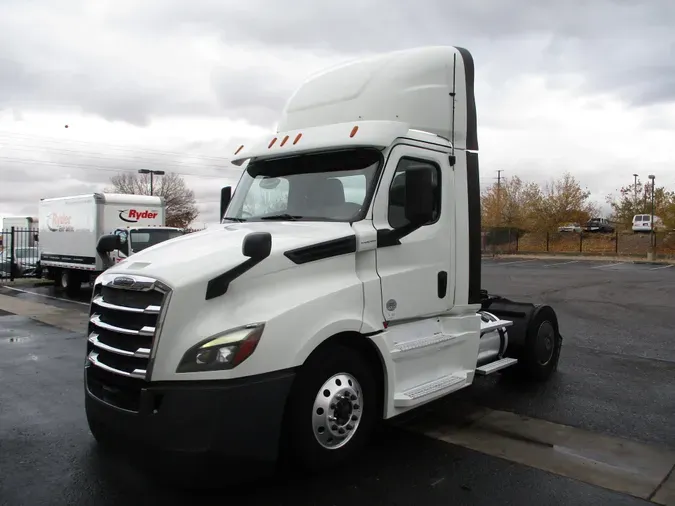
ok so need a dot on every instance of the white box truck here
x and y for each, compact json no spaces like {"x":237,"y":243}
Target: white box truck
{"x":312,"y":313}
{"x":82,"y":235}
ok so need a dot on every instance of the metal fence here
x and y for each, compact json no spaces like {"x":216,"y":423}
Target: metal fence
{"x":511,"y":240}
{"x":19,"y":254}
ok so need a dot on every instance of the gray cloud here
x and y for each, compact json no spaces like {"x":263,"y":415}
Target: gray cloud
{"x":29,"y":173}
{"x":621,"y":46}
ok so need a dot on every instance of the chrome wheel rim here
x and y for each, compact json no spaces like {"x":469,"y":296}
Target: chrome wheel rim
{"x":337,"y":411}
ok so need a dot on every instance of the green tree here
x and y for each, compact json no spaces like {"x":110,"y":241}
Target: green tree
{"x":181,"y":206}
{"x":563,"y":200}
{"x":634,"y":199}
{"x":510,"y":204}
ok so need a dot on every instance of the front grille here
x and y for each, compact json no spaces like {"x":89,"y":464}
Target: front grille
{"x":124,"y":324}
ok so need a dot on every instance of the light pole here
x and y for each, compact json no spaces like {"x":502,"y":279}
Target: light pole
{"x":635,"y":211}
{"x":152,"y":173}
{"x":652,"y":241}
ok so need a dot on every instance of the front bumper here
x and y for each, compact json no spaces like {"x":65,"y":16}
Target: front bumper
{"x":240,"y":419}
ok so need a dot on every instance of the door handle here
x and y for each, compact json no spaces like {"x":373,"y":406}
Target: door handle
{"x":442,"y":284}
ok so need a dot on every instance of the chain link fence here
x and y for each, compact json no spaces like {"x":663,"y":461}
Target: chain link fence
{"x":505,"y":240}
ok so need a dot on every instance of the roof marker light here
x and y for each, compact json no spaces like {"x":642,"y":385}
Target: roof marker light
{"x":297,"y":138}
{"x":239,"y":149}
{"x":354,"y":130}
{"x":272,"y":143}
{"x":284,"y":141}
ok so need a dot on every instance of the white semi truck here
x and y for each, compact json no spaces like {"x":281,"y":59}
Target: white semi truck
{"x":311,"y":312}
{"x":82,"y":235}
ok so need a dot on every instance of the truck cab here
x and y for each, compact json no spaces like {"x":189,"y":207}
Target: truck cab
{"x":135,"y":239}
{"x":341,"y":288}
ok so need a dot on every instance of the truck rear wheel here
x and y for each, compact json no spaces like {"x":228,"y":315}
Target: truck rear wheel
{"x":70,"y":281}
{"x":332,"y":410}
{"x":542,"y":346}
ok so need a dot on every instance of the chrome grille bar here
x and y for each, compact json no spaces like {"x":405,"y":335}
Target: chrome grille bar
{"x":145,"y":331}
{"x":136,"y":373}
{"x":151,"y":309}
{"x":139,"y":353}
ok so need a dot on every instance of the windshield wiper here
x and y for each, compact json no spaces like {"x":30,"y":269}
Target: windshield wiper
{"x":238,"y":220}
{"x":288,"y":217}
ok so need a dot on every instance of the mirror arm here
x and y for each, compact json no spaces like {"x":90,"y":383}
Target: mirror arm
{"x":218,"y":286}
{"x":392,"y":236}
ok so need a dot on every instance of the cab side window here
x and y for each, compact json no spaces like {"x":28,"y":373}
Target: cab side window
{"x":396,"y":212}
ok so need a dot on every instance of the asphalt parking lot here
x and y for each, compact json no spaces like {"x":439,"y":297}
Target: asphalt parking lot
{"x":600,"y":432}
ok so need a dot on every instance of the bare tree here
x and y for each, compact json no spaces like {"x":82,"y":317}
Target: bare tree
{"x":181,"y":207}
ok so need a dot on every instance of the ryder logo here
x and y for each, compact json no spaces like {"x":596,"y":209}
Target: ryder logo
{"x":134,"y":215}
{"x":59,"y":222}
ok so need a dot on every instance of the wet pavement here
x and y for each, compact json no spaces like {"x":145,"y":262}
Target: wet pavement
{"x":616,"y":378}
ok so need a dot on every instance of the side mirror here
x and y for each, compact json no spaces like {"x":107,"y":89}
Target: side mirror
{"x":225,"y":197}
{"x":257,"y":245}
{"x":108,"y":243}
{"x":419,"y":195}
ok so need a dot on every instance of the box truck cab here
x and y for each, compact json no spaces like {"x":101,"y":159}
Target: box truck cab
{"x":342,"y":287}
{"x":83,"y":235}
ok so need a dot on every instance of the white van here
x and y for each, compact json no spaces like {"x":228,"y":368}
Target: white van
{"x":642,"y":223}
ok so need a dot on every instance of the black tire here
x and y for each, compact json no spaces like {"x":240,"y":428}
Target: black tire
{"x":70,"y":282}
{"x":542,"y":346}
{"x":299,"y":443}
{"x":103,"y":436}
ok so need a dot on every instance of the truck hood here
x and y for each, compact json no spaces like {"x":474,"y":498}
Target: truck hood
{"x":200,"y":256}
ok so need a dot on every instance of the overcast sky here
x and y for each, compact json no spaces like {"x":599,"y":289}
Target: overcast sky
{"x":587,"y":87}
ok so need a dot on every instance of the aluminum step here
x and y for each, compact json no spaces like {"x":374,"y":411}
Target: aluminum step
{"x":486,"y":327}
{"x":416,"y":394}
{"x":486,"y":369}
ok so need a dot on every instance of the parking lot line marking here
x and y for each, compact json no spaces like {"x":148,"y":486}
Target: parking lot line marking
{"x":661,"y":267}
{"x":45,"y":296}
{"x":617,"y":464}
{"x":519,"y":262}
{"x":562,"y":263}
{"x":608,"y":265}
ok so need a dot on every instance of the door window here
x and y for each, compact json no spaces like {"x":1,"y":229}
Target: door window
{"x":396,"y":211}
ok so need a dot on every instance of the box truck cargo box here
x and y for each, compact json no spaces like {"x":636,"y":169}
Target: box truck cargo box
{"x":83,"y":235}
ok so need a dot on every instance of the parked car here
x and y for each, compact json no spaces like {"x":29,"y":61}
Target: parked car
{"x":599,"y":225}
{"x":570,"y":227}
{"x":643,"y":223}
{"x":26,"y":260}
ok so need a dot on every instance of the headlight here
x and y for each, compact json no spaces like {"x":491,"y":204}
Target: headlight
{"x":222,"y":351}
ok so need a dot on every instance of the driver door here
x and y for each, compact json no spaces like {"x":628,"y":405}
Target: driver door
{"x":416,"y":275}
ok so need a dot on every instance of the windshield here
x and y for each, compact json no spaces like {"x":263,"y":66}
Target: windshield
{"x":335,"y":186}
{"x":141,"y":239}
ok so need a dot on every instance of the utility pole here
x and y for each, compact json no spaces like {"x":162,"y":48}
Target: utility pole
{"x":499,"y":191}
{"x":152,"y":173}
{"x":652,"y":238}
{"x":635,"y":208}
{"x":499,"y":210}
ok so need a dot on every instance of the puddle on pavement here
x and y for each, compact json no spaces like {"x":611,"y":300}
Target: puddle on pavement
{"x":20,"y":339}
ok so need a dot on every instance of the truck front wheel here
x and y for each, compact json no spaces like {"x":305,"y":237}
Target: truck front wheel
{"x":332,"y":410}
